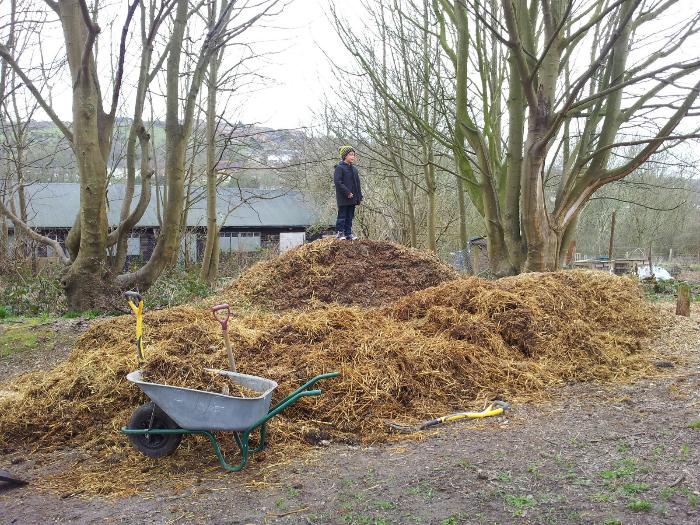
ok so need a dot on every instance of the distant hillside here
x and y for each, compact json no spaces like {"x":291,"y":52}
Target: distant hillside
{"x":251,"y":148}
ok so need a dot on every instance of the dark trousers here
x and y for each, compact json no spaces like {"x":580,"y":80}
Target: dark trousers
{"x":344,"y":222}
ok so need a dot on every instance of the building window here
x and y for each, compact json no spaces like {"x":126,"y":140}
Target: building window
{"x":133,"y":245}
{"x":239,"y":241}
{"x":228,"y":242}
{"x":249,"y":241}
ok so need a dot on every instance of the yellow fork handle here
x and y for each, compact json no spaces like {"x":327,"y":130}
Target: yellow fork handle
{"x":138,"y":312}
{"x":491,"y":410}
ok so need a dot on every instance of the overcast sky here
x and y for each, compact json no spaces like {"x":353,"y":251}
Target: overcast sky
{"x":301,"y":70}
{"x":296,"y":66}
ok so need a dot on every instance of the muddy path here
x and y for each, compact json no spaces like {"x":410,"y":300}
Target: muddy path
{"x":598,"y":454}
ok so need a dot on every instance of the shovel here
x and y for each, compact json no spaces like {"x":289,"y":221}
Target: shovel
{"x":224,"y":327}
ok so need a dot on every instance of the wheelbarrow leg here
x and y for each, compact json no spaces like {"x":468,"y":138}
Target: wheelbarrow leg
{"x":263,"y":436}
{"x":241,"y":441}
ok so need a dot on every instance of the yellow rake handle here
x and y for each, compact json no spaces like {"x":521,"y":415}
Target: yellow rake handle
{"x":138,"y":312}
{"x":494,"y":409}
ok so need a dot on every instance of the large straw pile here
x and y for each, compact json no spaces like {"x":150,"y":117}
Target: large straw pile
{"x":446,"y":348}
{"x":364,"y":273}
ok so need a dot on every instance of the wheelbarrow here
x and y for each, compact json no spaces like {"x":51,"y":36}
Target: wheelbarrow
{"x":155,"y":429}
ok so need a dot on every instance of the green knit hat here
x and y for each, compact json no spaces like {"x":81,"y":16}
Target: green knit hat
{"x":344,"y":150}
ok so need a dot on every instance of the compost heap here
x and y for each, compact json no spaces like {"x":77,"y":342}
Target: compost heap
{"x":365,"y":273}
{"x":447,"y":348}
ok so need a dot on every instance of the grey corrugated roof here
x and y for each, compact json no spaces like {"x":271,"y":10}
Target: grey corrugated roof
{"x":55,"y":205}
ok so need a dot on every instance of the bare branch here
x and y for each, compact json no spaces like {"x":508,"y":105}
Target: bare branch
{"x":634,"y":203}
{"x":122,"y":53}
{"x":516,"y":47}
{"x":23,"y":227}
{"x":93,"y":31}
{"x":5,"y":54}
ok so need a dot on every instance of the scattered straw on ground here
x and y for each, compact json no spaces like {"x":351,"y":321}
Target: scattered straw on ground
{"x":364,"y":273}
{"x":442,"y":349}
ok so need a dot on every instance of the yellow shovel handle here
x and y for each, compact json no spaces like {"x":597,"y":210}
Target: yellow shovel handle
{"x":138,"y":312}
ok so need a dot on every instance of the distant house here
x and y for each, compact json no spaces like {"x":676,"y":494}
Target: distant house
{"x":250,"y":219}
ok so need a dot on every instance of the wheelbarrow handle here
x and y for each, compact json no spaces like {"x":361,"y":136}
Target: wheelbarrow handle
{"x":222,"y":320}
{"x":301,"y":391}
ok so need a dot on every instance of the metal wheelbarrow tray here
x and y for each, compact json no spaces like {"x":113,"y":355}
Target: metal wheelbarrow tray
{"x":156,"y":428}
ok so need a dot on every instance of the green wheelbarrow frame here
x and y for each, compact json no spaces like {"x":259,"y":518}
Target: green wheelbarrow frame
{"x":242,"y":438}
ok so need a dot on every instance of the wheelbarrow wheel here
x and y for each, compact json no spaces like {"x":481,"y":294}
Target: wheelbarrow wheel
{"x":150,"y":416}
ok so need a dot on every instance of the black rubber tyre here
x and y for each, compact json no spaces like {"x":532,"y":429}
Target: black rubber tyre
{"x":154,"y":445}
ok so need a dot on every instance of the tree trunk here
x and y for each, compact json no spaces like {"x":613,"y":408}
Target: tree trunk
{"x":210,"y":262}
{"x":543,"y":248}
{"x":411,"y":210}
{"x":177,"y":135}
{"x":426,"y":140}
{"x":4,"y":236}
{"x":462,"y":205}
{"x":87,"y":280}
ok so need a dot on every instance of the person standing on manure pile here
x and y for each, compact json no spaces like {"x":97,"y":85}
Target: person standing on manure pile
{"x":348,"y":193}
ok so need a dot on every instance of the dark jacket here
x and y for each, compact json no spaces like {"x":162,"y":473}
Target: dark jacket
{"x":347,"y":180}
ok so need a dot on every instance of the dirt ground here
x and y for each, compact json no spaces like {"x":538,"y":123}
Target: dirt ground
{"x":594,"y":454}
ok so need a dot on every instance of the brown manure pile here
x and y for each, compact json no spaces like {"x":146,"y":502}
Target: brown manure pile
{"x":446,"y":348}
{"x":363,"y":273}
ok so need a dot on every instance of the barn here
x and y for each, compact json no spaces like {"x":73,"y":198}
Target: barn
{"x":251,"y":219}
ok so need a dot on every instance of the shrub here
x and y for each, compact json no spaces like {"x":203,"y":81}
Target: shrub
{"x":34,"y":295}
{"x":176,"y":287}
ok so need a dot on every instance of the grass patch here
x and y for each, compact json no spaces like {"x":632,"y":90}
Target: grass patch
{"x":454,"y":519}
{"x":612,"y":521}
{"x":635,"y":488}
{"x":519,"y":504}
{"x":362,"y":519}
{"x":603,"y":497}
{"x":623,"y":448}
{"x":535,"y":471}
{"x":465,"y":464}
{"x":694,"y":424}
{"x":639,"y":505}
{"x":504,"y":476}
{"x":623,"y":468}
{"x":668,"y":492}
{"x":693,"y":500}
{"x":423,"y":489}
{"x":658,"y":451}
{"x":20,"y":338}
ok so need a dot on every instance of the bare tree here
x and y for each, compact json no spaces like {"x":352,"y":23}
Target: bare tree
{"x":524,"y":112}
{"x":88,"y":278}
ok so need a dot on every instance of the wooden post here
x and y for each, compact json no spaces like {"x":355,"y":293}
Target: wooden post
{"x":612,"y":236}
{"x":683,"y":300}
